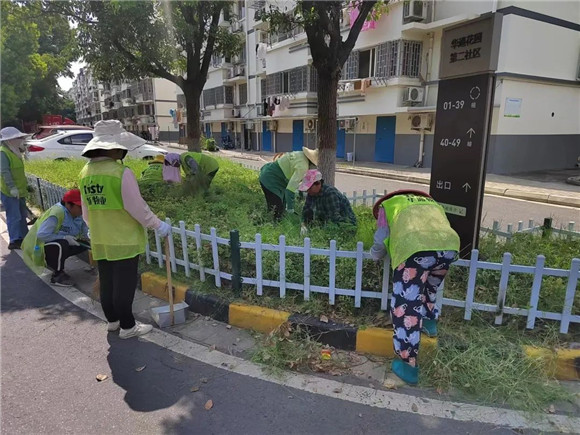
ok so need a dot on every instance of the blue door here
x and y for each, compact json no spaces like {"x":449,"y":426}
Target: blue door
{"x":208,"y":130}
{"x":340,"y":142}
{"x":385,"y":139}
{"x":266,"y":137}
{"x":297,"y":135}
{"x":224,"y":130}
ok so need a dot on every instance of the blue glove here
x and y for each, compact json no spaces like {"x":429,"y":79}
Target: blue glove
{"x":164,"y":229}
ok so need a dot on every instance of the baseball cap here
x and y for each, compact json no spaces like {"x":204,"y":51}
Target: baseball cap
{"x":73,"y":196}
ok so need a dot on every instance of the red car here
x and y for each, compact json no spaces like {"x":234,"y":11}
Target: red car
{"x":49,"y":130}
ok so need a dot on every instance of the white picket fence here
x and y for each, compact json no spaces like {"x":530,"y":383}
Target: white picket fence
{"x":51,"y":194}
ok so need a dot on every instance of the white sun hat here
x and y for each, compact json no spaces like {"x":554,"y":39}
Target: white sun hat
{"x":8,"y":133}
{"x":110,"y":135}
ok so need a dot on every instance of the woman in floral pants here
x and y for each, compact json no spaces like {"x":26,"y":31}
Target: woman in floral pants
{"x":415,"y":232}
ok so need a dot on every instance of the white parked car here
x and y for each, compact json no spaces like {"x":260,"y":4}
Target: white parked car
{"x":70,"y":144}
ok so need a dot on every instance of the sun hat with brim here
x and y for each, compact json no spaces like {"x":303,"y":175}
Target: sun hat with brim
{"x":377,"y":205}
{"x":159,"y":158}
{"x":8,"y":133}
{"x":311,"y":155}
{"x":311,"y":177}
{"x":110,"y":135}
{"x":73,"y":196}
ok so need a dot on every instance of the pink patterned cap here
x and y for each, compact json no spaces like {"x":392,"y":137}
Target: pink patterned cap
{"x":311,"y":177}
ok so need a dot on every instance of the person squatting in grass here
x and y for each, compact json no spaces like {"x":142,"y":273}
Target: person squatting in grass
{"x":414,"y":230}
{"x":13,"y":184}
{"x":199,"y":168}
{"x":324,"y":204}
{"x":55,"y":237}
{"x":280,"y":179}
{"x":116,"y":214}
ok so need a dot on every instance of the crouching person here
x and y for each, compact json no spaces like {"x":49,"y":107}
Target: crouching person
{"x":414,"y":230}
{"x":55,"y":237}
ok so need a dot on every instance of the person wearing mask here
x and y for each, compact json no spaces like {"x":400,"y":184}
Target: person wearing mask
{"x":194,"y":164}
{"x":324,"y":204}
{"x":117,"y":217}
{"x":13,"y":184}
{"x":59,"y":234}
{"x":153,"y":174}
{"x":414,"y":230}
{"x":280,"y":179}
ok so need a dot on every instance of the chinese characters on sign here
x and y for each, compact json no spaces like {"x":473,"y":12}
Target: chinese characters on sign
{"x":465,"y":41}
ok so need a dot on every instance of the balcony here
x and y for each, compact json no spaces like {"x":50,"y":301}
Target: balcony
{"x":128,"y":102}
{"x":261,"y":67}
{"x":236,"y":74}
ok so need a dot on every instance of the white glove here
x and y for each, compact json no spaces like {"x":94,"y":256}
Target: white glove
{"x":381,"y":234}
{"x":164,"y":229}
{"x":303,"y":230}
{"x":71,"y":241}
{"x":14,"y":192}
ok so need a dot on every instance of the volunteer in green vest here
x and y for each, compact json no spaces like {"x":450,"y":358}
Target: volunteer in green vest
{"x":57,"y":235}
{"x":13,"y":185}
{"x":194,"y":164}
{"x":117,"y":216}
{"x":280,"y":179}
{"x":414,"y":230}
{"x":154,"y":172}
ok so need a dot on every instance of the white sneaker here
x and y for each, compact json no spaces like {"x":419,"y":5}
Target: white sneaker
{"x":113,"y":326}
{"x":138,"y":329}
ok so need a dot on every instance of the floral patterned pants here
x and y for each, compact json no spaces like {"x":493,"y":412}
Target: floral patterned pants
{"x":415,"y":284}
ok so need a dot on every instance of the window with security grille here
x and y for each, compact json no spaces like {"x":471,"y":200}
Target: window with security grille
{"x":274,"y":84}
{"x":243,"y":93}
{"x":209,"y":97}
{"x":313,"y":82}
{"x":228,"y":94}
{"x":410,"y":54}
{"x":350,"y":68}
{"x":401,"y":58}
{"x":298,"y":79}
{"x":263,"y":92}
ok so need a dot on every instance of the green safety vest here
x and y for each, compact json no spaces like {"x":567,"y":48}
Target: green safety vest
{"x":115,"y":234}
{"x":416,"y":223}
{"x":207,"y":164}
{"x":37,"y":263}
{"x":17,"y":171}
{"x":153,"y":173}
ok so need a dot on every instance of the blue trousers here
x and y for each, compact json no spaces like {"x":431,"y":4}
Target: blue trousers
{"x":16,"y":212}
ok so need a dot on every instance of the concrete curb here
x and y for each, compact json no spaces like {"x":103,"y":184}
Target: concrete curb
{"x":565,"y":363}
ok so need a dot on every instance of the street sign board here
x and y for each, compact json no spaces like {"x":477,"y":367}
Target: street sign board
{"x":459,"y":153}
{"x":471,"y":48}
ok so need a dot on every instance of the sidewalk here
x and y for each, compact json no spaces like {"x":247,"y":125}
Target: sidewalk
{"x":535,"y":186}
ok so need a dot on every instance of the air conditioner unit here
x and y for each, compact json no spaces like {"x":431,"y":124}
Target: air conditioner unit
{"x":413,"y":95}
{"x":422,"y":122}
{"x":415,"y":10}
{"x":310,"y":126}
{"x":239,"y":70}
{"x":236,"y":113}
{"x":349,"y":124}
{"x":272,"y":125}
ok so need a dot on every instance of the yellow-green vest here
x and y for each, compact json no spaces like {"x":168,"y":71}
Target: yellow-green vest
{"x":17,"y":171}
{"x":153,"y":173}
{"x":416,"y":223}
{"x":206,"y":163}
{"x":115,"y":234}
{"x":37,"y":263}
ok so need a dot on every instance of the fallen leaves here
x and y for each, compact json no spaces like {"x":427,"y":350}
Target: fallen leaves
{"x":414,"y":407}
{"x":203,"y":380}
{"x":194,"y":389}
{"x":324,"y":319}
{"x":140,"y":369}
{"x":101,"y":377}
{"x":208,"y":405}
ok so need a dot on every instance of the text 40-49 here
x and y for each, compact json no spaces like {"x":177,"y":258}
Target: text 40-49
{"x":453,"y":142}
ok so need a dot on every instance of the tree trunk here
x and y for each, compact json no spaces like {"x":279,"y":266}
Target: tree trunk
{"x":192,"y":94}
{"x":327,"y":96}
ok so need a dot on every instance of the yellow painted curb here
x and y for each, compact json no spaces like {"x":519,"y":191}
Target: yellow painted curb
{"x":156,"y":285}
{"x":257,"y":318}
{"x":563,"y":364}
{"x":379,"y":341}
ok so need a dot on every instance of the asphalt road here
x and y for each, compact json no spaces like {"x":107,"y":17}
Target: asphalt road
{"x":52,"y":351}
{"x":505,"y":210}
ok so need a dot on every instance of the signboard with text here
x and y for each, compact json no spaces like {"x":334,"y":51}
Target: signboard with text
{"x":469,"y":55}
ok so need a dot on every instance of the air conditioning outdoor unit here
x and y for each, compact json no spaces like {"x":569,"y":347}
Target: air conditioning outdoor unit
{"x":415,"y":10}
{"x":413,"y":95}
{"x":272,"y":125}
{"x":310,"y":126}
{"x":236,"y":113}
{"x":239,"y":70}
{"x":422,"y":122}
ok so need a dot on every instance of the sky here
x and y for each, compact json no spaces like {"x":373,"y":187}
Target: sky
{"x":66,"y":82}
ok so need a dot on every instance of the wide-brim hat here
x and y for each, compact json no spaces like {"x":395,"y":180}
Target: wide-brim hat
{"x":8,"y":133}
{"x":110,"y":135}
{"x":159,"y":158}
{"x":311,"y":177}
{"x":396,"y":192}
{"x":311,"y":155}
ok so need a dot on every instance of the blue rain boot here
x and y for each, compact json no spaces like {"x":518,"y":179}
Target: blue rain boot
{"x":430,"y":327}
{"x":406,"y":372}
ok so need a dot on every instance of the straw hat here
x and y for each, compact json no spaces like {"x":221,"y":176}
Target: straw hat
{"x":110,"y":135}
{"x":159,"y":158}
{"x":311,"y":155}
{"x":396,"y":192}
{"x":8,"y":133}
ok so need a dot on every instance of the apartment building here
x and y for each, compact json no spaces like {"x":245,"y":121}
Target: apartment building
{"x":87,"y":94}
{"x":265,"y":97}
{"x":145,"y":107}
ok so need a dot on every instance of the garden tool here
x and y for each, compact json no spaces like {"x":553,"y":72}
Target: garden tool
{"x":169,"y":281}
